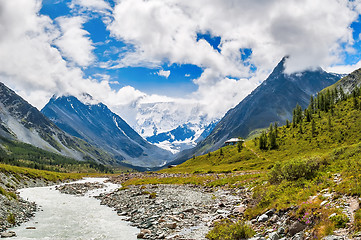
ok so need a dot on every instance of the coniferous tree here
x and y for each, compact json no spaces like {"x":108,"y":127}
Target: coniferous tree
{"x":272,"y":140}
{"x":220,"y":152}
{"x":276,"y":129}
{"x":308,"y":115}
{"x":311,"y":107}
{"x":354,"y":97}
{"x":287,"y":123}
{"x":272,"y":136}
{"x":313,"y":128}
{"x":297,"y":115}
{"x":263,"y":141}
{"x":239,"y":146}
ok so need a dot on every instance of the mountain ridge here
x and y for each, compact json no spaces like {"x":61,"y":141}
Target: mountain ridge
{"x":22,"y":122}
{"x":272,"y":101}
{"x":98,"y":125}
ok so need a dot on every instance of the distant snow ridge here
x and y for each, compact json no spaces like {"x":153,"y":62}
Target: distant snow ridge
{"x":173,"y":126}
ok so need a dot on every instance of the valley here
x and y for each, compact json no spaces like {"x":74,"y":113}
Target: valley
{"x":294,"y":180}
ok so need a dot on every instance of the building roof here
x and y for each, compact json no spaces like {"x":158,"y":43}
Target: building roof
{"x":234,"y":140}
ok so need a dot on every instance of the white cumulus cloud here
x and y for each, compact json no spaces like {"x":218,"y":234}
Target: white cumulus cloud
{"x":163,"y":73}
{"x":74,"y":42}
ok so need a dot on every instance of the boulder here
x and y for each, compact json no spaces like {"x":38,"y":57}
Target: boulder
{"x":263,"y":218}
{"x":273,"y":236}
{"x":298,"y":236}
{"x":270,"y":212}
{"x":170,"y":225}
{"x":296,"y":227}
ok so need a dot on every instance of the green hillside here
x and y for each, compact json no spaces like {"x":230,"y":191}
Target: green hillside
{"x":323,"y":133}
{"x":25,"y":155}
{"x":299,"y":160}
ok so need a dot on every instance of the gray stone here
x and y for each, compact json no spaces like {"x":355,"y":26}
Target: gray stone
{"x":263,"y":218}
{"x":323,"y":203}
{"x":8,"y":234}
{"x":281,"y":230}
{"x":298,"y":236}
{"x":296,"y":227}
{"x":333,"y":237}
{"x":274,"y":218}
{"x":270,"y":212}
{"x":273,"y":236}
{"x":170,"y":225}
{"x":140,"y":235}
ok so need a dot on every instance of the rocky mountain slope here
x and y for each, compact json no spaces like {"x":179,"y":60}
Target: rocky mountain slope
{"x":347,"y":83}
{"x":99,"y":126}
{"x":22,"y":122}
{"x":272,"y":101}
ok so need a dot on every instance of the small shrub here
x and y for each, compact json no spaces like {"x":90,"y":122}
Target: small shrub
{"x":2,"y":191}
{"x":340,"y":220}
{"x":145,"y":192}
{"x":12,"y":195}
{"x":294,"y":170}
{"x":11,"y":219}
{"x":152,"y":195}
{"x":228,"y":230}
{"x":357,"y":222}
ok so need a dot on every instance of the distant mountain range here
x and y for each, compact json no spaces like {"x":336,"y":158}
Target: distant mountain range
{"x":170,"y":125}
{"x":99,"y":126}
{"x":183,"y":137}
{"x":272,"y":101}
{"x":20,"y":121}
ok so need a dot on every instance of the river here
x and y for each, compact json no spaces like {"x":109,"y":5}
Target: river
{"x":64,"y":216}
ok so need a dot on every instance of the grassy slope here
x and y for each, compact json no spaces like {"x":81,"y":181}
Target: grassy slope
{"x":344,"y":132}
{"x":334,"y":148}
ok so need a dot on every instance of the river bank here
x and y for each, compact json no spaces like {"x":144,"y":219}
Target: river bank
{"x":73,"y":216}
{"x":13,"y":209}
{"x":176,"y":211}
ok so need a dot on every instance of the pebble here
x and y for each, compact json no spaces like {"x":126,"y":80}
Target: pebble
{"x":8,"y":234}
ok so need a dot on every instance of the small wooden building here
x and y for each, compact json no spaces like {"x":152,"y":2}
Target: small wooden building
{"x":233,"y":141}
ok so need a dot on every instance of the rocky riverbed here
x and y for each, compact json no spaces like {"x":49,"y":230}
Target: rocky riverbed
{"x":174,"y":211}
{"x":79,"y":188}
{"x":189,"y":211}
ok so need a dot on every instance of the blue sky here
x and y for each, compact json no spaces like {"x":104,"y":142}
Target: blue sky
{"x":130,"y":52}
{"x":177,"y":84}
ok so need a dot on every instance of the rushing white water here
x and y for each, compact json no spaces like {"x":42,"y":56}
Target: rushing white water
{"x":64,"y":216}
